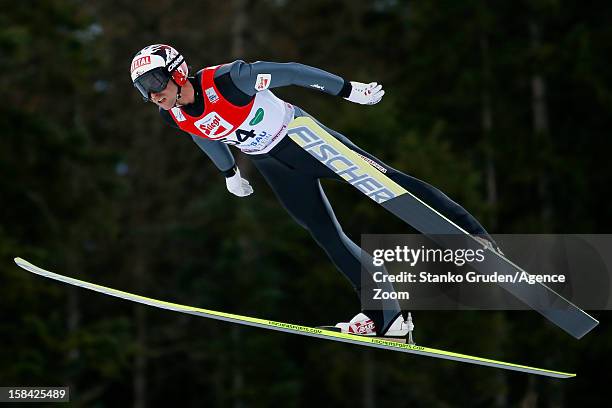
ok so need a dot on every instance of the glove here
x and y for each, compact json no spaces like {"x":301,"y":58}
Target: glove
{"x":365,"y":94}
{"x":237,"y":185}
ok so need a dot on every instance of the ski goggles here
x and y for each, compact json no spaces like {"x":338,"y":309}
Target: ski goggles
{"x":154,"y":80}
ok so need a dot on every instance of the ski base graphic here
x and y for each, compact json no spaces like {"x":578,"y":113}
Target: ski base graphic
{"x":376,"y":342}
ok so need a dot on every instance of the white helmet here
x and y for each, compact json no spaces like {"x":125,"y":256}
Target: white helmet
{"x":153,"y":66}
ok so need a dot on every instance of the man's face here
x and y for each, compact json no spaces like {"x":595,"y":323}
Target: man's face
{"x":166,"y":98}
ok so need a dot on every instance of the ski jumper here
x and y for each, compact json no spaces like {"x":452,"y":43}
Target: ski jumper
{"x":234,"y":106}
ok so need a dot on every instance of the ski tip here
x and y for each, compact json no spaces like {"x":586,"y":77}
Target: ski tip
{"x":564,"y":375}
{"x":22,"y":263}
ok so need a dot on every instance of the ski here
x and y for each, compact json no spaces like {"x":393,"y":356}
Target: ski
{"x":368,"y":178}
{"x":293,"y":328}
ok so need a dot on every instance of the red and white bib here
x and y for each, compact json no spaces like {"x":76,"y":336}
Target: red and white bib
{"x":255,"y":128}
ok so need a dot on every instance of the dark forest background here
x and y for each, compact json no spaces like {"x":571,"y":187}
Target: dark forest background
{"x":506,"y":106}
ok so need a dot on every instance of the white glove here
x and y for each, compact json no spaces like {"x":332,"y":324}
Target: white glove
{"x":238,"y":186}
{"x":365,"y":94}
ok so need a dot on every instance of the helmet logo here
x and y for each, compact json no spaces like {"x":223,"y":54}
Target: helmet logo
{"x":170,"y":53}
{"x":175,"y":63}
{"x":137,"y":63}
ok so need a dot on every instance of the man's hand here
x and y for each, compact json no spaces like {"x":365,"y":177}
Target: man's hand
{"x":365,"y":94}
{"x":238,"y":186}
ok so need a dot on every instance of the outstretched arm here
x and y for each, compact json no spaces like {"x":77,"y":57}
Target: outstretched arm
{"x":261,"y":75}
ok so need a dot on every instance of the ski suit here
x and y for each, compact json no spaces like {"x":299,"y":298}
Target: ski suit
{"x":292,"y":173}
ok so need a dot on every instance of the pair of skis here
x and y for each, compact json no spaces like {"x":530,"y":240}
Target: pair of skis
{"x":359,"y":172}
{"x":365,"y":176}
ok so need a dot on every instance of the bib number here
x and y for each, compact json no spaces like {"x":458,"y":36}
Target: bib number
{"x":243,"y":135}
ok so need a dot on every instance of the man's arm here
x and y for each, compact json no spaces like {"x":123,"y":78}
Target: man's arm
{"x":223,"y":159}
{"x":251,"y":78}
{"x":258,"y":76}
{"x":219,"y":153}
